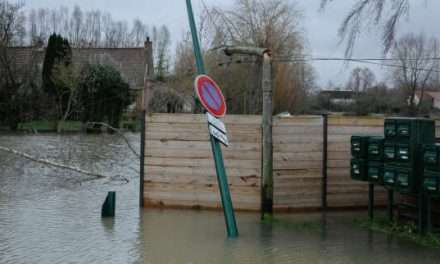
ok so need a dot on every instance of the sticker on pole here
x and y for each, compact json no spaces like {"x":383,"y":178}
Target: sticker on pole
{"x":210,"y":96}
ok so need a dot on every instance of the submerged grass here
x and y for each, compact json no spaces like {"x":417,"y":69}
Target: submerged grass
{"x":404,"y":231}
{"x":49,"y":126}
{"x":68,"y":126}
{"x":292,"y":224}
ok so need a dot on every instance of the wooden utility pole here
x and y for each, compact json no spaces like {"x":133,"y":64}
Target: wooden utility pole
{"x":267,"y":151}
{"x":147,"y":93}
{"x":267,"y":139}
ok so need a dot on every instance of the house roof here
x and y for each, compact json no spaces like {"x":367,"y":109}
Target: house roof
{"x":130,"y":62}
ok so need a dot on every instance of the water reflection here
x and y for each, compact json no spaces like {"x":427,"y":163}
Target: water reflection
{"x":108,"y":224}
{"x":47,"y":216}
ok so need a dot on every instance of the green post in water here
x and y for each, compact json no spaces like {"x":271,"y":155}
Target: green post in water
{"x":109,"y":206}
{"x":231,"y":224}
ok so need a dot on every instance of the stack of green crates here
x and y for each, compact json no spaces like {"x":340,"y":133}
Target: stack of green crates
{"x":394,"y":160}
{"x":375,"y":160}
{"x":404,"y":140}
{"x":431,"y":165}
{"x":367,"y":158}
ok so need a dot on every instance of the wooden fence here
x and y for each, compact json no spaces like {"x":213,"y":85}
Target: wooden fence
{"x":297,"y":162}
{"x":342,"y":191}
{"x":179,"y":170}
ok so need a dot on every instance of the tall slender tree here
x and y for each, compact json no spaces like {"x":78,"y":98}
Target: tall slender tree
{"x":58,"y":54}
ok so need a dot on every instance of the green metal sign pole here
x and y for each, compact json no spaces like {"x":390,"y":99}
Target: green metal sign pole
{"x":231,"y":224}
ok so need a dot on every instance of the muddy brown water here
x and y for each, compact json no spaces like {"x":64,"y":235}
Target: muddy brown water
{"x":51,"y":216}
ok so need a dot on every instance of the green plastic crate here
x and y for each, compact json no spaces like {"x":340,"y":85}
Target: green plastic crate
{"x":359,"y":146}
{"x":431,"y":156}
{"x":375,"y":148}
{"x":405,"y":180}
{"x":358,"y":169}
{"x":406,"y":137}
{"x":403,"y":153}
{"x":399,"y":178}
{"x":390,"y":152}
{"x":431,"y":182}
{"x":375,"y":172}
{"x":390,"y":130}
{"x":389,"y":176}
{"x":410,"y":130}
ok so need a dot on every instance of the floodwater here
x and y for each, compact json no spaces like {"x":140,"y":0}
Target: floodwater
{"x":50,"y":215}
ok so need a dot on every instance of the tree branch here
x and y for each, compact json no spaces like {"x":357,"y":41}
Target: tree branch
{"x":119,"y":133}
{"x":95,"y":176}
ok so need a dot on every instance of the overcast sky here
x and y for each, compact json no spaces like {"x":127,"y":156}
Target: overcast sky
{"x":320,"y":27}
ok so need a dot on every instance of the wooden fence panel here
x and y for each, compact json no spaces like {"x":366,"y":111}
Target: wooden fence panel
{"x":342,"y":190}
{"x":298,"y":145}
{"x":179,"y":168}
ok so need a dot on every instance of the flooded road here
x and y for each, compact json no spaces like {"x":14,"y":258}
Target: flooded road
{"x":50,"y":215}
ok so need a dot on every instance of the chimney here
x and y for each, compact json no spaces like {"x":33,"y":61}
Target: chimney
{"x":148,"y":75}
{"x":147,"y":43}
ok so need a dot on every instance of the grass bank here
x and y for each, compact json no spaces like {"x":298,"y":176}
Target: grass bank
{"x":49,"y":126}
{"x":68,"y":126}
{"x":404,"y":231}
{"x":298,"y":225}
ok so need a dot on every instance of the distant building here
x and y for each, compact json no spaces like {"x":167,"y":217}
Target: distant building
{"x":338,"y":97}
{"x":430,"y":97}
{"x":130,"y":62}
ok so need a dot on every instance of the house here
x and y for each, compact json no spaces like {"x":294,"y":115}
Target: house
{"x":339,"y":97}
{"x":430,"y":97}
{"x":130,"y":62}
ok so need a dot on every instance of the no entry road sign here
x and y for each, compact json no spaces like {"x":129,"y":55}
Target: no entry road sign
{"x":210,"y":96}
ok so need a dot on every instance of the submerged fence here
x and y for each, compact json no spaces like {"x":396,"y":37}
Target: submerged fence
{"x":311,"y":156}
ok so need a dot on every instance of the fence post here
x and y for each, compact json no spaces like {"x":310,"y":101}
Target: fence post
{"x":142,"y":160}
{"x":324,"y":163}
{"x":370,"y":201}
{"x":147,"y":94}
{"x":390,"y":207}
{"x":267,"y":188}
{"x":267,"y":147}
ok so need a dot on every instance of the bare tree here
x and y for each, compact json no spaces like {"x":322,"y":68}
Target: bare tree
{"x":85,"y":28}
{"x":365,"y":12}
{"x":65,"y":22}
{"x":417,"y":67}
{"x":11,"y":78}
{"x":121,"y":34}
{"x":360,"y":80}
{"x":139,"y":33}
{"x":76,"y":23}
{"x":43,"y":24}
{"x":54,"y":20}
{"x":270,"y":24}
{"x":65,"y":76}
{"x":96,"y":29}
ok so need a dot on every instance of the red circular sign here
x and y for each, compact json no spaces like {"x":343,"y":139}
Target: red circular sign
{"x":210,"y":96}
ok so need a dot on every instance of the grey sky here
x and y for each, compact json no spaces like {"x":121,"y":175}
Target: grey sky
{"x":320,"y":27}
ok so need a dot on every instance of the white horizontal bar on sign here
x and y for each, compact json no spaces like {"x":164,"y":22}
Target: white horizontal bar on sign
{"x":216,"y":123}
{"x":219,"y":135}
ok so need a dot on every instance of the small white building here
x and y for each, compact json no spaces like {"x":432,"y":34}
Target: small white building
{"x":431,"y":97}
